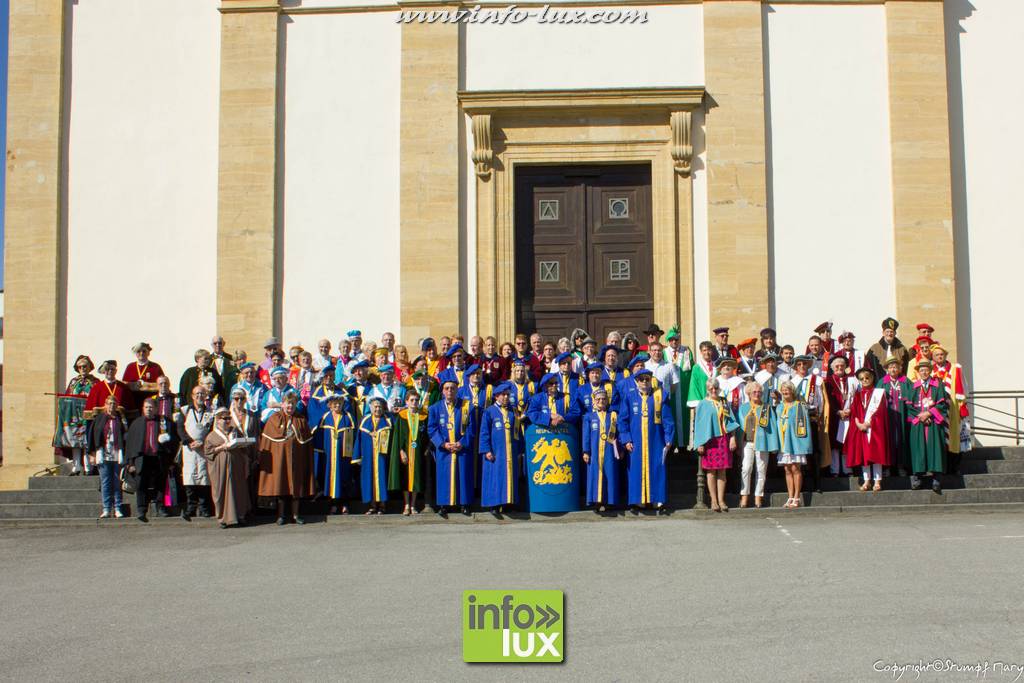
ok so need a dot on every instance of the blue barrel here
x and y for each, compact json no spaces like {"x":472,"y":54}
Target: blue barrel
{"x":553,"y":468}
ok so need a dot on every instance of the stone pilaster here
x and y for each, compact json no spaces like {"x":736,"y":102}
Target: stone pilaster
{"x":34,"y":281}
{"x":921,"y":184}
{"x":429,"y":260}
{"x":735,"y":140}
{"x":247,"y":249}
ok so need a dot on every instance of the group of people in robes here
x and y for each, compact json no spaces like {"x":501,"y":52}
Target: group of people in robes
{"x":446,"y":428}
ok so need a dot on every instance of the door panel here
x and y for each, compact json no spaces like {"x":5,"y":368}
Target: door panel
{"x":583,"y":249}
{"x":601,"y":323}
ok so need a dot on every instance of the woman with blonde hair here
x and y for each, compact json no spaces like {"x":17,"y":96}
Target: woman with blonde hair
{"x":403,"y":367}
{"x":796,"y":440}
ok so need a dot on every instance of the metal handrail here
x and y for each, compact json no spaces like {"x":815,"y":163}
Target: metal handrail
{"x":999,"y":429}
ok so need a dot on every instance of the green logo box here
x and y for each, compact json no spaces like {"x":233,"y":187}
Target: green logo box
{"x":517,"y":626}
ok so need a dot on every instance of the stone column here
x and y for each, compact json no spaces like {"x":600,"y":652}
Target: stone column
{"x":429,"y":252}
{"x":922,"y":188}
{"x":737,"y":195}
{"x":34,"y":296}
{"x":247,"y":252}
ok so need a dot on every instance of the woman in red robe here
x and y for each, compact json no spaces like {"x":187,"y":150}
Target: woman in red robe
{"x":867,"y":440}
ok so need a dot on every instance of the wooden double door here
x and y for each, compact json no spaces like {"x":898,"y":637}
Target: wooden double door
{"x":583,"y":249}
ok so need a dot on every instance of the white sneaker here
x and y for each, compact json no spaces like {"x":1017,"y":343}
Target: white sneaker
{"x":105,"y":514}
{"x":118,"y":514}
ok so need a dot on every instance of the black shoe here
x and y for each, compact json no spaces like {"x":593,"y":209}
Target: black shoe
{"x":281,"y":521}
{"x":142,"y":518}
{"x":442,"y":512}
{"x":496,"y":513}
{"x":662,"y":511}
{"x":300,"y":520}
{"x":185,"y":516}
{"x":634,"y":510}
{"x":465,"y":510}
{"x":222,"y":525}
{"x":205,"y":513}
{"x":915,"y":484}
{"x":936,"y":486}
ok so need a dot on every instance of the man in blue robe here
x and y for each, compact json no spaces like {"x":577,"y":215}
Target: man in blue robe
{"x":501,"y":445}
{"x":249,"y":383}
{"x":609,"y":357}
{"x":359,"y":389}
{"x":646,"y":429}
{"x":272,"y":398}
{"x":456,"y":365}
{"x":568,"y":381}
{"x":478,"y":395}
{"x":451,"y":429}
{"x":594,"y":383}
{"x":550,"y":408}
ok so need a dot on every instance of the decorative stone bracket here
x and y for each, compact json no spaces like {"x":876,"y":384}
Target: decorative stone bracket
{"x":483,"y":155}
{"x":682,"y":149}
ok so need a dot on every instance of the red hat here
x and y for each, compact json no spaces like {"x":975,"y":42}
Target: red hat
{"x":820,"y":329}
{"x":924,"y":338}
{"x":925,"y":328}
{"x":746,"y":342}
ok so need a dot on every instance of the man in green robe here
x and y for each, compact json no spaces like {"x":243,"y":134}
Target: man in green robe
{"x":928,"y":415}
{"x":682,"y":358}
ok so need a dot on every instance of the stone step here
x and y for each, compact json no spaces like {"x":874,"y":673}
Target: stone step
{"x":64,"y":482}
{"x":992,"y":466}
{"x":996,"y":453}
{"x":50,"y":510}
{"x":925,"y":496}
{"x":50,"y":496}
{"x":979,"y":480}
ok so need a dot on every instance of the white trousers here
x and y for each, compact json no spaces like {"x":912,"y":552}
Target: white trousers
{"x":749,"y":457}
{"x":874,"y":471}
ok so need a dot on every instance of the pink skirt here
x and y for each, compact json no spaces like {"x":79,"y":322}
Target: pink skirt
{"x":717,"y":455}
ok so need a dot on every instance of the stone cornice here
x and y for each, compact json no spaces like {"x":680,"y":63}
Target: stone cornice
{"x":494,"y":101}
{"x":295,"y":6}
{"x":239,"y":6}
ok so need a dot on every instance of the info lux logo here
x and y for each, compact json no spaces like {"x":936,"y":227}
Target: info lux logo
{"x":522,"y":626}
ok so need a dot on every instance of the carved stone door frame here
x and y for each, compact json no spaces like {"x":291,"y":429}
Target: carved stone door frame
{"x":557,"y":127}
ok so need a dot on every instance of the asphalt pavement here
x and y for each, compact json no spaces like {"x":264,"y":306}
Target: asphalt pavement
{"x":799,"y":598}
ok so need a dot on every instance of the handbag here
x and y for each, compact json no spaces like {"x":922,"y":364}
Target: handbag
{"x":129,"y":481}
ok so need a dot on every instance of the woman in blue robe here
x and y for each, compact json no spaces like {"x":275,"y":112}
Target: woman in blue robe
{"x":759,"y":429}
{"x":333,"y":447}
{"x":646,"y":429}
{"x":501,"y":447}
{"x":601,"y":453}
{"x":714,"y":427}
{"x":372,"y":445}
{"x":796,"y":434}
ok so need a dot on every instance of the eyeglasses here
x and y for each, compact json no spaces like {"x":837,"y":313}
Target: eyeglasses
{"x":238,"y":398}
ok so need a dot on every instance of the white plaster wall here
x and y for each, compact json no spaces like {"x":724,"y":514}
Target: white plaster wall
{"x":667,"y":50}
{"x":831,"y":195}
{"x":142,"y":179}
{"x":341,"y":183}
{"x":986,"y":47}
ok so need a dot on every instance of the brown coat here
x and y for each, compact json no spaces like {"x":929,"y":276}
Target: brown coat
{"x":229,"y":478}
{"x":286,"y":457}
{"x":875,"y":357}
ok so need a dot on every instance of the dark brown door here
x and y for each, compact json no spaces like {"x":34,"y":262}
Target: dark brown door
{"x":583,"y":249}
